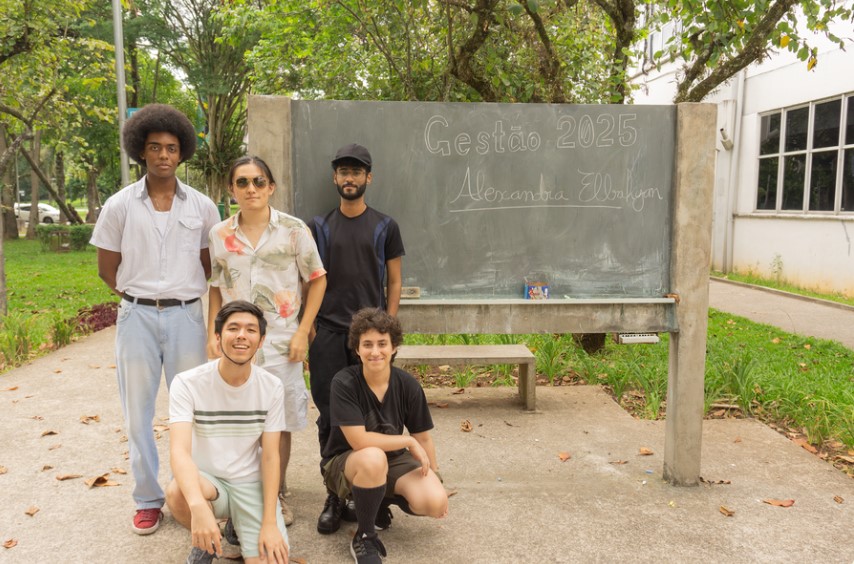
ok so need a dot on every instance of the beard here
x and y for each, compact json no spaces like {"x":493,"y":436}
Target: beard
{"x":360,"y":190}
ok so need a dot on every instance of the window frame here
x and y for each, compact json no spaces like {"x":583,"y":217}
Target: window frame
{"x":781,"y":154}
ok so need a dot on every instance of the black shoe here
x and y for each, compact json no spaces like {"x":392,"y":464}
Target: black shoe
{"x":367,"y":550}
{"x":348,"y":513}
{"x":199,"y":556}
{"x":330,"y":518}
{"x":230,"y":534}
{"x":384,"y":517}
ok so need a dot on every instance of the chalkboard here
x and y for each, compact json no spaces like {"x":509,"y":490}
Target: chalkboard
{"x":488,"y":196}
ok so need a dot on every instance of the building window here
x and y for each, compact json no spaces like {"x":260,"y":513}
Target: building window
{"x":806,"y":158}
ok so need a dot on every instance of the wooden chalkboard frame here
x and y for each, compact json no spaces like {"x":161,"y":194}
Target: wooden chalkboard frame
{"x":683,"y":313}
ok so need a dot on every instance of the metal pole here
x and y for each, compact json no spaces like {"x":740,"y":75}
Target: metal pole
{"x":118,"y":39}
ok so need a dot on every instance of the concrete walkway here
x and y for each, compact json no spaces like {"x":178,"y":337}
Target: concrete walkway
{"x":789,"y":312}
{"x":514,"y":499}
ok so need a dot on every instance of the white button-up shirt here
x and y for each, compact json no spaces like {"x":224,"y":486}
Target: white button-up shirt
{"x":157,"y":265}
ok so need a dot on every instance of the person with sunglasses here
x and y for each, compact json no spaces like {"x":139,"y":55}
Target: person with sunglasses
{"x":269,"y":258}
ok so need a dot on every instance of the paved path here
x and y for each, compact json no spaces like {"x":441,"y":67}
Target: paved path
{"x":794,"y":314}
{"x":514,"y":501}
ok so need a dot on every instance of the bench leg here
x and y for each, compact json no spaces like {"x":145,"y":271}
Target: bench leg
{"x":528,"y":385}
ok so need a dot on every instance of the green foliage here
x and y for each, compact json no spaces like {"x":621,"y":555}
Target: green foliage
{"x":718,"y":38}
{"x":78,"y":236}
{"x":44,"y":287}
{"x":17,"y":338}
{"x":780,"y":283}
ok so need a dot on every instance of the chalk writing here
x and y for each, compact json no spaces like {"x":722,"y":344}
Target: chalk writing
{"x":596,"y":191}
{"x":596,"y":187}
{"x":485,"y":142}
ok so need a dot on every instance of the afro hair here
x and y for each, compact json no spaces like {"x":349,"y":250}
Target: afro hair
{"x":158,"y":118}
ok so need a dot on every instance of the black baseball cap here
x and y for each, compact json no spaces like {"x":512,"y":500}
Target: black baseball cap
{"x":353,"y":151}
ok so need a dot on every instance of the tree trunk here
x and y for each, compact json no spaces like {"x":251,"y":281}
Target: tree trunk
{"x":34,"y":188}
{"x":60,"y":184}
{"x":7,"y":196}
{"x":93,"y":202}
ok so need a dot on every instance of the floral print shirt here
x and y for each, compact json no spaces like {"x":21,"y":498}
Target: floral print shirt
{"x":269,"y":275}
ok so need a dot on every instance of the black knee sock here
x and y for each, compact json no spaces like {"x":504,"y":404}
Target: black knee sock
{"x":367,"y":502}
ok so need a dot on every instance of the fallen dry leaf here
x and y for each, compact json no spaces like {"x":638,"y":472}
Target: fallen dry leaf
{"x":47,"y":467}
{"x":805,"y":445}
{"x":441,"y":405}
{"x":85,"y":419}
{"x":714,"y":482}
{"x":57,"y":371}
{"x":94,"y":366}
{"x":779,"y":502}
{"x":111,"y":366}
{"x":63,"y":477}
{"x":643,"y":451}
{"x":465,"y":426}
{"x":160,"y":428}
{"x":37,"y":417}
{"x":10,"y":389}
{"x":619,"y":462}
{"x":10,"y":543}
{"x":101,"y":481}
{"x":3,"y":469}
{"x":297,"y":560}
{"x":564,"y":456}
{"x":848,"y":459}
{"x":32,"y":510}
{"x":46,"y":433}
{"x":451,"y":493}
{"x":118,"y":471}
{"x":737,"y":440}
{"x":776,"y":340}
{"x":459,"y":391}
{"x":28,"y":396}
{"x":675,"y":297}
{"x":726,"y":511}
{"x":808,"y":346}
{"x":838,"y":499}
{"x":509,"y":424}
{"x":54,"y":447}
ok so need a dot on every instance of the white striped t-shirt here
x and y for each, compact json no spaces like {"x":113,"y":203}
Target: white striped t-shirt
{"x":227,"y":420}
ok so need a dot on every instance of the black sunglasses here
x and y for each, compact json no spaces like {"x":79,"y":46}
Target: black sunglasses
{"x":243,"y":182}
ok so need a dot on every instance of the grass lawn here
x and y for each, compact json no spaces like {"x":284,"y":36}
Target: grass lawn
{"x":47,"y":288}
{"x":800,"y":385}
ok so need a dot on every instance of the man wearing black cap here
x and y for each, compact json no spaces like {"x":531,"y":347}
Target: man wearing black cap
{"x":362,"y":251}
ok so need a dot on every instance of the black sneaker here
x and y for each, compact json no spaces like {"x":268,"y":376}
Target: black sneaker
{"x":348,"y":512}
{"x":384,"y":517}
{"x":330,"y":518}
{"x":230,"y":534}
{"x":199,"y":556}
{"x":367,"y":550}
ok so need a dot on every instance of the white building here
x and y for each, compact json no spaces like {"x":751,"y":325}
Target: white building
{"x":784,"y":181}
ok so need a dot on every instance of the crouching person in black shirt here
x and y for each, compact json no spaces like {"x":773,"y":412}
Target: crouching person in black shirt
{"x":367,"y":454}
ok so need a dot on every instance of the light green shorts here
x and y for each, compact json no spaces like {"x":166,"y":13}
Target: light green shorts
{"x":244,"y":504}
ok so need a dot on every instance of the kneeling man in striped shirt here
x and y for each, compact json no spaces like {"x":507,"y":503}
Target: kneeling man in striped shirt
{"x":225,"y":422}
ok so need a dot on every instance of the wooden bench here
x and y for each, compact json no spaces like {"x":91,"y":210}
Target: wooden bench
{"x":437,"y":355}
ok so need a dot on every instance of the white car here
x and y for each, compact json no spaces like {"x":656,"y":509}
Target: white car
{"x":47,"y":213}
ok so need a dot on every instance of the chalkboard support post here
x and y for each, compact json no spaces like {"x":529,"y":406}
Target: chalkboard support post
{"x":269,"y":127}
{"x":689,"y":275}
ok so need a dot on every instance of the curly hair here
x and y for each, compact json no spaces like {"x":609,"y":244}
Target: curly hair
{"x":373,"y":318}
{"x":158,"y":118}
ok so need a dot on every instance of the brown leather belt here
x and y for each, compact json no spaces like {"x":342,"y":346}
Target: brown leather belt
{"x":161,"y":303}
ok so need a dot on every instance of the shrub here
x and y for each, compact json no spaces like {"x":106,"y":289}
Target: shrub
{"x":97,"y":317}
{"x":78,"y":235}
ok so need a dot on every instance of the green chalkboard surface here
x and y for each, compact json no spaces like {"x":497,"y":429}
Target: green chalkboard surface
{"x":491,"y":195}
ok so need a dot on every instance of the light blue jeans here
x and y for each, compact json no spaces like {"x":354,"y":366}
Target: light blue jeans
{"x":150,"y":342}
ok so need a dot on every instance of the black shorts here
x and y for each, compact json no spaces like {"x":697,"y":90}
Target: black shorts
{"x":336,"y":482}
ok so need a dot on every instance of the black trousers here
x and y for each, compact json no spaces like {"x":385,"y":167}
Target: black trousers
{"x":327,"y":355}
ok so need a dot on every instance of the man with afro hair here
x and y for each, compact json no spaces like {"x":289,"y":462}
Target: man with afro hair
{"x":152,"y":252}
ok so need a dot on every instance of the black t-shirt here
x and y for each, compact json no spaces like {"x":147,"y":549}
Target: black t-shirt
{"x":354,"y":253}
{"x":353,"y":403}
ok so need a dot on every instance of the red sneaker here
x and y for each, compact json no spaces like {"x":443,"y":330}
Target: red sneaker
{"x":146,"y":521}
